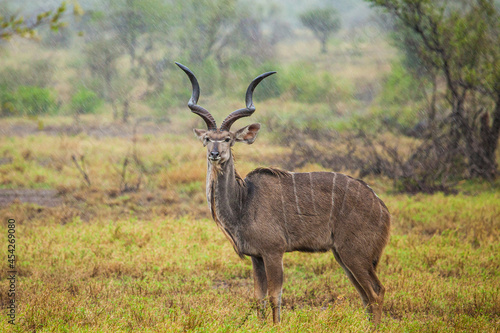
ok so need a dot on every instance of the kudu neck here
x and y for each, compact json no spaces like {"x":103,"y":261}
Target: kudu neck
{"x":227,"y":189}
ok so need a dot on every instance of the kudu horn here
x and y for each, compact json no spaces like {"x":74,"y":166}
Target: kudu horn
{"x":245,"y":112}
{"x":273,"y":211}
{"x":200,"y":111}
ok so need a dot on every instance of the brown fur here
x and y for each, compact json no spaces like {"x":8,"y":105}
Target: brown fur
{"x":213,"y":208}
{"x":273,"y":211}
{"x":272,"y":171}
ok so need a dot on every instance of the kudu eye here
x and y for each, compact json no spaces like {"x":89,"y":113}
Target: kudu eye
{"x":227,"y":139}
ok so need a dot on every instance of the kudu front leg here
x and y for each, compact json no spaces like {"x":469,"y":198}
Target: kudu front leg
{"x":260,"y":285}
{"x":274,"y":273}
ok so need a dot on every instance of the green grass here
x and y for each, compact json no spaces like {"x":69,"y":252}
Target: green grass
{"x":181,"y":274}
{"x":152,"y":260}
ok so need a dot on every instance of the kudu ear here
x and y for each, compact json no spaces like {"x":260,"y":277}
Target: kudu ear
{"x":247,"y":134}
{"x":200,"y":134}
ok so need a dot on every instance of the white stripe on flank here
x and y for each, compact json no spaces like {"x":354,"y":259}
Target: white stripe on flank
{"x":372,"y":190}
{"x":381,"y":212}
{"x":373,"y":201}
{"x":295,"y":192}
{"x":359,"y":190}
{"x":333,"y":192}
{"x":312,"y":193}
{"x":282,"y":201}
{"x":345,"y":193}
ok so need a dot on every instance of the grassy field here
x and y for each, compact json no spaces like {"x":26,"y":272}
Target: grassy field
{"x":107,"y":258}
{"x":113,"y":232}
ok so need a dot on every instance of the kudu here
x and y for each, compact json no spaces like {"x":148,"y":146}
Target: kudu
{"x":272,"y":211}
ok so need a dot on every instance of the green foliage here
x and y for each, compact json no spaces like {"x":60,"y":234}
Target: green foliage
{"x":458,"y":45}
{"x":23,"y":86}
{"x":16,"y":25}
{"x":32,"y":100}
{"x":7,"y":101}
{"x":400,"y":87}
{"x":211,"y":75}
{"x":323,"y":22}
{"x":203,"y":24}
{"x":304,"y":84}
{"x":38,"y":72}
{"x":101,"y":57}
{"x":399,"y":103}
{"x":171,"y":95}
{"x":85,"y":101}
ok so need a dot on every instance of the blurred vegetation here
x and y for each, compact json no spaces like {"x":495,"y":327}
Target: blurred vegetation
{"x":323,"y":22}
{"x":438,"y":87}
{"x":113,"y":225}
{"x":85,"y":101}
{"x":33,"y":100}
{"x":452,"y":52}
{"x":16,"y":25}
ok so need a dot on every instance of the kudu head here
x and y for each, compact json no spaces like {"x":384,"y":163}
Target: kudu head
{"x":220,"y":140}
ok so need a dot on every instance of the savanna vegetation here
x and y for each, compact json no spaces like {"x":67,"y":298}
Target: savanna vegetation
{"x":100,"y":170}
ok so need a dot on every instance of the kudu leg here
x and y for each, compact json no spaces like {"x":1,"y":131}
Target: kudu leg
{"x":274,"y":272}
{"x":353,"y":280}
{"x":362,"y":274}
{"x":260,"y":285}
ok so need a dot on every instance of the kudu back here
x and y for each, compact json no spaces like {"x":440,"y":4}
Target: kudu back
{"x":272,"y":211}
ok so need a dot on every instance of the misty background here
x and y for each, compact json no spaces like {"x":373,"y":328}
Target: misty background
{"x":393,"y":88}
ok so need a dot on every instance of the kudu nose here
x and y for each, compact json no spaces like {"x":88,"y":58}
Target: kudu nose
{"x":214,"y":155}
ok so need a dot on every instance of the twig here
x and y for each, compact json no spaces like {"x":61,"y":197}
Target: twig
{"x":84,"y":174}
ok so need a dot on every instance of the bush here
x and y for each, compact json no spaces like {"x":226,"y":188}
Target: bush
{"x":34,"y":73}
{"x":399,"y":102}
{"x":303,"y":83}
{"x":176,"y":91}
{"x":400,"y":88}
{"x":85,"y":101}
{"x":7,"y":101}
{"x":31,"y":100}
{"x":308,"y":86}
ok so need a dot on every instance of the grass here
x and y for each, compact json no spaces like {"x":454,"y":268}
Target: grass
{"x":108,"y":260}
{"x":152,"y":260}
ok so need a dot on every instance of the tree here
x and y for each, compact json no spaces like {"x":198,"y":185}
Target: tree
{"x":323,"y":22}
{"x":16,"y":25}
{"x":460,"y":43}
{"x":131,"y":31}
{"x":135,"y":19}
{"x":101,"y":57}
{"x":220,"y":34}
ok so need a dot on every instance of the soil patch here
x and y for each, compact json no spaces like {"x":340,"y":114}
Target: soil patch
{"x":48,"y":198}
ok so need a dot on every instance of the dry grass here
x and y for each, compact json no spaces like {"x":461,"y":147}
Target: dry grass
{"x":151,"y":260}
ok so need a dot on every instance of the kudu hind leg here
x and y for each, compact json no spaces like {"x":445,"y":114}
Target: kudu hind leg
{"x":353,"y":280}
{"x":363,"y":276}
{"x":260,"y":285}
{"x":274,"y":273}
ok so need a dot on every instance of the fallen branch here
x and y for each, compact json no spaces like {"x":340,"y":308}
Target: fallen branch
{"x":84,"y":174}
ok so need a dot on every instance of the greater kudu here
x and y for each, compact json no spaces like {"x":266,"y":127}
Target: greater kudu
{"x":272,"y":211}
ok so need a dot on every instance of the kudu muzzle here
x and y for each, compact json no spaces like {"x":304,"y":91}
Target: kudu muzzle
{"x":214,"y":155}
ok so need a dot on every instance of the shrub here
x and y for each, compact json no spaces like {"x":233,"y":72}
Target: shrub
{"x":400,"y":88}
{"x":7,"y":100}
{"x":400,"y":101}
{"x":32,"y":100}
{"x":305,"y":84}
{"x":175,"y":92}
{"x":38,"y":72}
{"x":85,"y":101}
